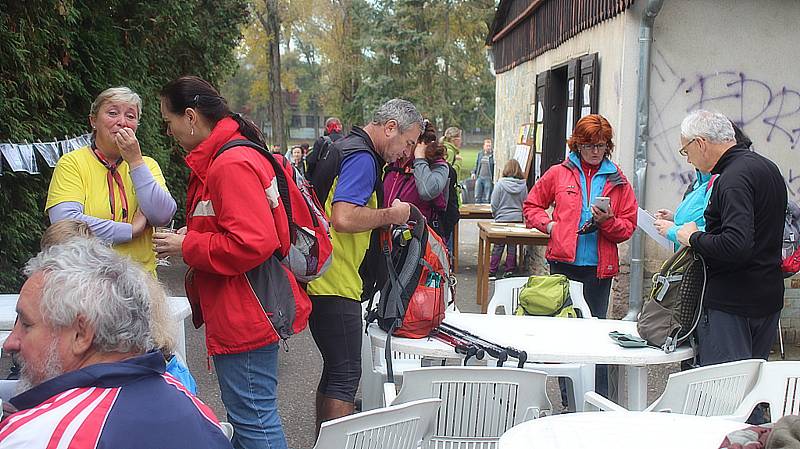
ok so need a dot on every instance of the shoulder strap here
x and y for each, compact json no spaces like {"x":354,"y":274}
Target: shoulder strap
{"x":280,"y":175}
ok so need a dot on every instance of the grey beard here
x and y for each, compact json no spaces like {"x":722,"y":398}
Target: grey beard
{"x":52,"y":368}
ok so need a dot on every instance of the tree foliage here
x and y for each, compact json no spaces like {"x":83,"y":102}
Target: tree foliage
{"x":345,"y":57}
{"x":57,"y":55}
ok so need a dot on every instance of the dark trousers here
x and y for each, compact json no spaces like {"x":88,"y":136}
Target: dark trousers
{"x":725,"y":337}
{"x":596,"y":292}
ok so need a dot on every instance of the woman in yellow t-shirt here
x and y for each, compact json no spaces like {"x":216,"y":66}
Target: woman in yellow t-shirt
{"x":109,"y":185}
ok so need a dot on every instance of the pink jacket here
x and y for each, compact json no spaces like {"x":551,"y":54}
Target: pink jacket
{"x":560,"y":187}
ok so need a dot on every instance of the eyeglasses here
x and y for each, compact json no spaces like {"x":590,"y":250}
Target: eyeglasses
{"x":595,"y":147}
{"x":684,"y":151}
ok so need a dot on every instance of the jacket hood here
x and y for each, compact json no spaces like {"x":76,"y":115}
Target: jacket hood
{"x":513,"y":186}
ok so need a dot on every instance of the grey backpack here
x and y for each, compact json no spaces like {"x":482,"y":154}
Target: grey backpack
{"x":671,"y":313}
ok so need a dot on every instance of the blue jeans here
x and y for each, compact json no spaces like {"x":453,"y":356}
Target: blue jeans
{"x":483,"y":190}
{"x":249,"y":385}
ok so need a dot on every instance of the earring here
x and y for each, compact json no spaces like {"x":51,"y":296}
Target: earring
{"x":191,"y":131}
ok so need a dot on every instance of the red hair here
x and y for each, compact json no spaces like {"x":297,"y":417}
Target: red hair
{"x":592,"y":129}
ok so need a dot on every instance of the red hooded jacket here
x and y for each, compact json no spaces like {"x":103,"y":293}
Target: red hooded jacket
{"x":561,"y":186}
{"x":236,"y":231}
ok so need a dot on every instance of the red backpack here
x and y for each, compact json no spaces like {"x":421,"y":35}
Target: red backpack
{"x":310,"y":252}
{"x":413,"y":300}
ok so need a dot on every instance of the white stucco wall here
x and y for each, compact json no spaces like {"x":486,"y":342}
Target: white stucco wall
{"x":743,"y":62}
{"x":739,"y":57}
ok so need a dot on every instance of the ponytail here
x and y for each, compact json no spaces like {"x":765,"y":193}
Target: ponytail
{"x":249,"y":129}
{"x":199,"y":94}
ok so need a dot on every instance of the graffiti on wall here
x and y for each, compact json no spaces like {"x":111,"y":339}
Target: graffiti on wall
{"x":767,"y":111}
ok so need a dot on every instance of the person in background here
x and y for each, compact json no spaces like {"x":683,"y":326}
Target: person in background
{"x":332,"y":133}
{"x":236,"y":234}
{"x":452,"y":144}
{"x":297,"y":159}
{"x":304,"y":147}
{"x":421,"y":180}
{"x":109,"y":185}
{"x":584,"y":238}
{"x":90,"y":376}
{"x":484,"y":173}
{"x":507,"y":199}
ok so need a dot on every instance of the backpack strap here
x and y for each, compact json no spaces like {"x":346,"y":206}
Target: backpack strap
{"x":280,"y":175}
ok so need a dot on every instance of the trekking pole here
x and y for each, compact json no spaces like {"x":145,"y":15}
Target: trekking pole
{"x":520,"y":355}
{"x":493,"y":350}
{"x":460,"y":346}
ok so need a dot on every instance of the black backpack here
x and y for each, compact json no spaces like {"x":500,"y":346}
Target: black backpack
{"x":317,"y":155}
{"x":448,"y":218}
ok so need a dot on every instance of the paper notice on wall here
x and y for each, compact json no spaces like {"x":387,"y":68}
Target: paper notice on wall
{"x":521,"y":154}
{"x":645,"y":222}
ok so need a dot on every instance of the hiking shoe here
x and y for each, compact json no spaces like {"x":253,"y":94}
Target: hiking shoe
{"x":492,"y":275}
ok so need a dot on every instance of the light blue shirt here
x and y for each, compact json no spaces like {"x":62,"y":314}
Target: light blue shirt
{"x":692,"y":208}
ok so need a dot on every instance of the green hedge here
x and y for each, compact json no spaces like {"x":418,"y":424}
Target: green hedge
{"x":56,"y":56}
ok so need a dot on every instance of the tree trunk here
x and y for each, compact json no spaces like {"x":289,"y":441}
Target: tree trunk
{"x":271,"y":23}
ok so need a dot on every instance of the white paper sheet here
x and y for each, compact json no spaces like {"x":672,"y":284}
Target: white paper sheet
{"x":645,"y":222}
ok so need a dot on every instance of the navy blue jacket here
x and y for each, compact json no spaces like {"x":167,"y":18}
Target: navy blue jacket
{"x":127,"y":404}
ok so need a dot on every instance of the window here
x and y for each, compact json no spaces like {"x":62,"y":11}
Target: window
{"x":297,"y":121}
{"x":564,"y":94}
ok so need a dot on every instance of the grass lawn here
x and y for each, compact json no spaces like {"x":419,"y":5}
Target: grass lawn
{"x":468,"y":155}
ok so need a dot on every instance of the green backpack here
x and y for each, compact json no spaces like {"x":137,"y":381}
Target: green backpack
{"x":546,"y":296}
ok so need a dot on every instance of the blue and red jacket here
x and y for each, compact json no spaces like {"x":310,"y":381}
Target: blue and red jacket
{"x":127,"y":404}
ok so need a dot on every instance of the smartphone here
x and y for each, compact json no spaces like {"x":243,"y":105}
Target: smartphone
{"x":602,"y":203}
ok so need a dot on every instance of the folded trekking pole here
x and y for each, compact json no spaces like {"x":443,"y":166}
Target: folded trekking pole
{"x":499,"y":352}
{"x":465,"y":348}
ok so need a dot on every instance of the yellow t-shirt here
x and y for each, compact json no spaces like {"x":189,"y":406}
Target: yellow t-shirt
{"x":342,"y":278}
{"x":80,"y":177}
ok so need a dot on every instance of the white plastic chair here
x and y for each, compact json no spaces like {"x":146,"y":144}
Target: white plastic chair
{"x":478,"y":403}
{"x":715,"y":390}
{"x":779,"y":386}
{"x":506,"y":295}
{"x":398,"y":427}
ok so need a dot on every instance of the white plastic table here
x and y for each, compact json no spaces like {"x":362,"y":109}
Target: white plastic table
{"x":619,"y":430}
{"x":556,"y":340}
{"x":179,"y":308}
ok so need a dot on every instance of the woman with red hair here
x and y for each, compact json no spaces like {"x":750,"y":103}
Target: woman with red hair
{"x":584,"y":237}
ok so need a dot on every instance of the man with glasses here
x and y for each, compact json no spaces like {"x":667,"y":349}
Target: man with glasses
{"x":741,"y":244}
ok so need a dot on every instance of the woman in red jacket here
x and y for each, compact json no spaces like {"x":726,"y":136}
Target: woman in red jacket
{"x":236,"y":232}
{"x":583,"y":237}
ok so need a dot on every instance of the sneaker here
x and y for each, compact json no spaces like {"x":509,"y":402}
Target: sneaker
{"x":508,"y":274}
{"x":492,"y":275}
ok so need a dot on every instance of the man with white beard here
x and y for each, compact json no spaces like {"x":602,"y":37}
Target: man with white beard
{"x":89,"y":376}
